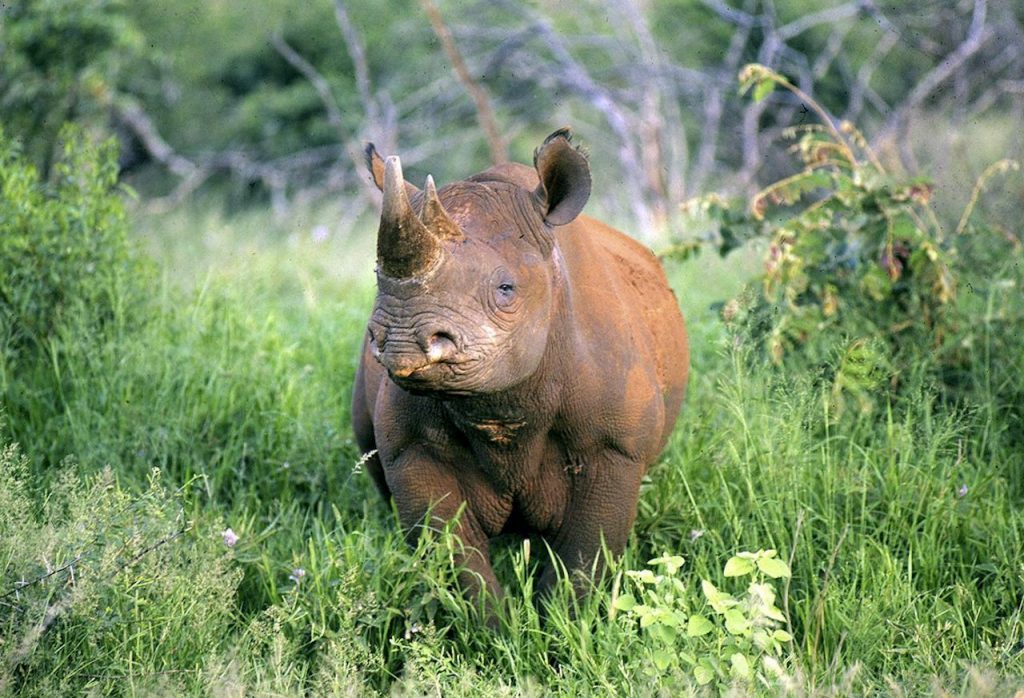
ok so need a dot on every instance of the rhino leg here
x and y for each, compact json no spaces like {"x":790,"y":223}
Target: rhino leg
{"x":426,"y":492}
{"x":599,"y":518}
{"x":367,"y":383}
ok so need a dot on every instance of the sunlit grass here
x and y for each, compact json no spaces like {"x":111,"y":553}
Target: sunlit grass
{"x":904,"y":533}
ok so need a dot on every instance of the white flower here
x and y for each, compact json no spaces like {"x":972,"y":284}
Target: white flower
{"x":297,"y":574}
{"x":230,"y":537}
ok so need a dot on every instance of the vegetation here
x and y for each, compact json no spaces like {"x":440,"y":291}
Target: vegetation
{"x":183,"y":510}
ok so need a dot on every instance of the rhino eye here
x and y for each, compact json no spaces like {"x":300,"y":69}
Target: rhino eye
{"x":506,"y":292}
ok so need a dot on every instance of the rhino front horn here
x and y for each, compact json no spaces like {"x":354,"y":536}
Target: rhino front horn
{"x":405,"y":246}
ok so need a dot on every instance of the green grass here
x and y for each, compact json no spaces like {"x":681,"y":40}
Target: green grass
{"x":236,"y":387}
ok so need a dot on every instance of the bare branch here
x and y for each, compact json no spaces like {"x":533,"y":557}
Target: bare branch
{"x":485,"y":114}
{"x":977,"y":35}
{"x":814,"y":19}
{"x":357,"y":54}
{"x":130,"y":113}
{"x":318,"y":81}
{"x":714,"y":105}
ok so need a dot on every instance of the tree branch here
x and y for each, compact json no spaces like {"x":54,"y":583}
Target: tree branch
{"x":485,"y":114}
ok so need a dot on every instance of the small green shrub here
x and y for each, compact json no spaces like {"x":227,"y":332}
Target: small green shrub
{"x":64,"y":249}
{"x":61,"y":58}
{"x":70,"y":284}
{"x":724,"y":639}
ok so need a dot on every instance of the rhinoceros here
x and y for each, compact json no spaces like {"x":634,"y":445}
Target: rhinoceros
{"x":523,"y":365}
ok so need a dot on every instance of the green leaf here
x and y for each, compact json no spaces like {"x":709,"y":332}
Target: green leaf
{"x":666,"y":634}
{"x":626,"y":602}
{"x":740,"y":666}
{"x":662,"y":658}
{"x":698,"y":625}
{"x":672,"y":563}
{"x":773,"y":567}
{"x":703,"y":673}
{"x":738,"y":566}
{"x":773,"y":613}
{"x":782,"y":636}
{"x":719,"y":600}
{"x":736,"y":623}
{"x":762,"y":89}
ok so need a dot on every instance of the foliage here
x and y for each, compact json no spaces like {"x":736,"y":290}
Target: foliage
{"x":65,"y":249}
{"x":61,"y":59}
{"x":742,"y":646}
{"x":859,"y":274}
{"x":70,"y":280}
{"x":122,"y":580}
{"x":904,"y":532}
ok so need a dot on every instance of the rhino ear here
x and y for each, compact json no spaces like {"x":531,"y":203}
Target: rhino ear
{"x":375,"y":163}
{"x":564,"y":178}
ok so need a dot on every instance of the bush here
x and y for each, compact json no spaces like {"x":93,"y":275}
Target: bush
{"x":65,"y":246}
{"x":70,"y":280}
{"x":860,"y":278}
{"x":61,"y":60}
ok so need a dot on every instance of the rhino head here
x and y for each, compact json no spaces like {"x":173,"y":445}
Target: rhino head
{"x":468,"y":275}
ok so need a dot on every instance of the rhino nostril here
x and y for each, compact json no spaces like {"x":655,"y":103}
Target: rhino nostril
{"x":441,"y":346}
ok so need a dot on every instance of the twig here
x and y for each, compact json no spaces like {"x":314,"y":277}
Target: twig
{"x":318,"y":81}
{"x":484,"y":112}
{"x":978,"y":35}
{"x":998,"y":167}
{"x":131,"y":114}
{"x":42,"y":578}
{"x":714,"y":106}
{"x":357,"y":54}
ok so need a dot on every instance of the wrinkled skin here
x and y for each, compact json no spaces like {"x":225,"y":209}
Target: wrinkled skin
{"x":522,"y":361}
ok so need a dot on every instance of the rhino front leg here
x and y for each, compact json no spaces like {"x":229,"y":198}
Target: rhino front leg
{"x":426,"y":492}
{"x":599,"y":516}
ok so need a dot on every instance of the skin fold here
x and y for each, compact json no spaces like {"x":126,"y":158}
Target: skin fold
{"x":523,"y":363}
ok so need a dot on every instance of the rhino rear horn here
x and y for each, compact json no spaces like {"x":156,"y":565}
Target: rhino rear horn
{"x":435,"y":217}
{"x":406,"y":248}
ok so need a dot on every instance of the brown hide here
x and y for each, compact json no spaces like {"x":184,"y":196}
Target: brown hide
{"x":529,"y":367}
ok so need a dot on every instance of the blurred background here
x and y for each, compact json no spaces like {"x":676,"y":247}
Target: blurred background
{"x":234,"y":107}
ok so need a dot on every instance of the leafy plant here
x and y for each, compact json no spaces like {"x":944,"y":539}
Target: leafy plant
{"x":858,"y":273}
{"x":61,"y":59}
{"x":726,"y":637}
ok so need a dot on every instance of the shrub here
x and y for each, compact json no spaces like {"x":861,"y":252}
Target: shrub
{"x":725,"y":638}
{"x":860,"y":277}
{"x":61,"y":60}
{"x":70,"y":281}
{"x":65,"y":246}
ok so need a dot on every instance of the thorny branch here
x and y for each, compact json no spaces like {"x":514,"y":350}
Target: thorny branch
{"x":54,"y":611}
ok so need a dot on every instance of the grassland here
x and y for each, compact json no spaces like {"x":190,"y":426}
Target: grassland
{"x":225,"y":406}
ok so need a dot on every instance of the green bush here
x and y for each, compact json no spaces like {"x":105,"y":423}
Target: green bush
{"x":860,"y":279}
{"x":65,"y":247}
{"x":70,"y":280}
{"x":61,"y":59}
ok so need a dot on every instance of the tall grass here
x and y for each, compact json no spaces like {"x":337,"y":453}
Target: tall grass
{"x":225,"y":406}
